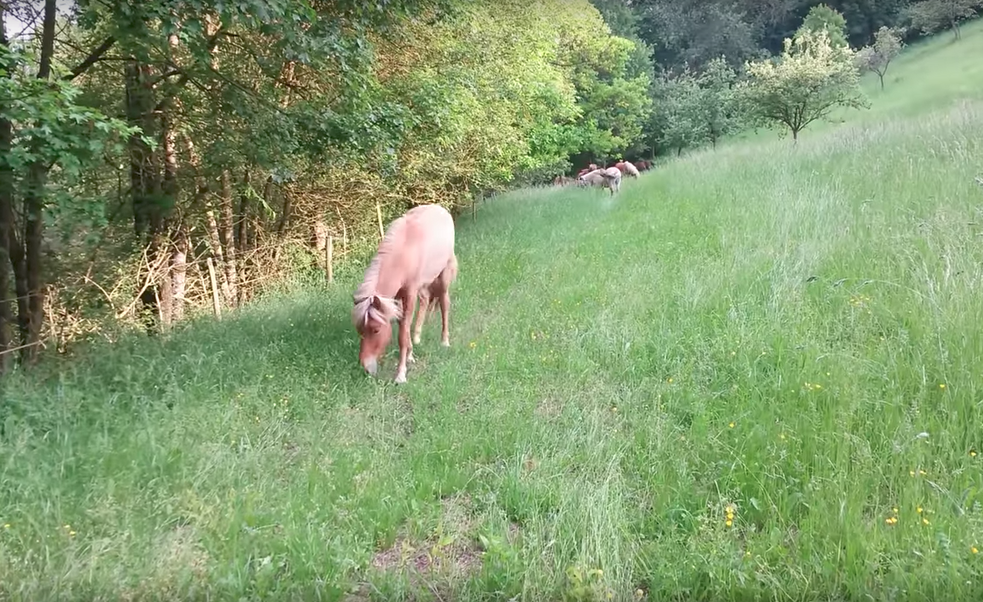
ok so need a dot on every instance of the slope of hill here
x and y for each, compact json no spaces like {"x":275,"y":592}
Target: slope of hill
{"x":752,"y":373}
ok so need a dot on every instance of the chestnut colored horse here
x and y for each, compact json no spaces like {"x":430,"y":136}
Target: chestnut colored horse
{"x":415,"y":260}
{"x":627,"y":168}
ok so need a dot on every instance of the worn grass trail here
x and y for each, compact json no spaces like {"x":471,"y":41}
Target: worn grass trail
{"x":754,"y":374}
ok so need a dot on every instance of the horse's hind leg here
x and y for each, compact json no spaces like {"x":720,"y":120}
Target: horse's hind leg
{"x":421,"y":315}
{"x":445,"y":309}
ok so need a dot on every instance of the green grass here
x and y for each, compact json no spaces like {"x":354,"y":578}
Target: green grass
{"x":794,"y":332}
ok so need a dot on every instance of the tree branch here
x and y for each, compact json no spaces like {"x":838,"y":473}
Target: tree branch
{"x":93,"y":57}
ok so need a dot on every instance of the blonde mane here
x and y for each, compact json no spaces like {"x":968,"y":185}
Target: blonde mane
{"x":389,"y":308}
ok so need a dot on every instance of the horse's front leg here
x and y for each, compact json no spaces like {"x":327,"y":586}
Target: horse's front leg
{"x":405,"y":342}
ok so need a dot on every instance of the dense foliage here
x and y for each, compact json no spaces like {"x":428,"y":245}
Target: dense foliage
{"x":162,"y":158}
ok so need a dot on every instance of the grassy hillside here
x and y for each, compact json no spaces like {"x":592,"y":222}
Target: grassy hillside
{"x":754,"y":374}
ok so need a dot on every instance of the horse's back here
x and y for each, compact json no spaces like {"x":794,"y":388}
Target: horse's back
{"x":430,"y":238}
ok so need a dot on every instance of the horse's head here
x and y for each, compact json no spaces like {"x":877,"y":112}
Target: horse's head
{"x":372,"y":316}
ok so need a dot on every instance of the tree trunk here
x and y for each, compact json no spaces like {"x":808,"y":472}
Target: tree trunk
{"x":145,"y":181}
{"x":7,"y":227}
{"x":37,"y":179}
{"x":227,"y":237}
{"x":880,"y":76}
{"x":171,"y":190}
{"x":242,"y":219}
{"x":215,"y":242}
{"x":179,"y":271}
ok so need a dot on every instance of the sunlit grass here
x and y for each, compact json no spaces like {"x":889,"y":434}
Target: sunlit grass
{"x":753,"y":374}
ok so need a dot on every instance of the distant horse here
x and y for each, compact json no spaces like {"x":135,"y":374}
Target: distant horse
{"x":415,"y":260}
{"x":609,"y":178}
{"x":627,"y":168}
{"x":643,"y":165}
{"x":588,"y":169}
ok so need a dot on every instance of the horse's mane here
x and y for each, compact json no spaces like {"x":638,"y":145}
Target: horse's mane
{"x":365,"y":295}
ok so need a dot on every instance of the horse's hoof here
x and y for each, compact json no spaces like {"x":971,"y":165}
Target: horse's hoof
{"x":416,"y":340}
{"x":445,"y":343}
{"x":410,"y":359}
{"x":400,"y":379}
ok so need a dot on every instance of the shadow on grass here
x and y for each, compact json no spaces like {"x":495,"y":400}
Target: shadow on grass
{"x":300,"y":340}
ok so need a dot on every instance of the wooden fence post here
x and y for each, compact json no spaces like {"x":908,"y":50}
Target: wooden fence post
{"x":329,"y":258}
{"x":378,"y":212}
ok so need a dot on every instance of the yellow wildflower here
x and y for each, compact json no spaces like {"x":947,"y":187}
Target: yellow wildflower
{"x":924,"y":521}
{"x":731,"y":425}
{"x":974,"y":550}
{"x":942,"y":385}
{"x":729,"y":523}
{"x":972,"y":453}
{"x":918,"y":510}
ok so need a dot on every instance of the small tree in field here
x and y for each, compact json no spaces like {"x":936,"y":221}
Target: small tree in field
{"x":810,"y":79}
{"x":877,"y":58}
{"x":931,"y":16}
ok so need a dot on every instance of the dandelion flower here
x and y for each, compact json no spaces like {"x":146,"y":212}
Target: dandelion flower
{"x":924,"y":521}
{"x":918,"y":510}
{"x":731,"y":425}
{"x":729,"y":523}
{"x":669,"y":380}
{"x":6,"y":525}
{"x":974,"y":550}
{"x":472,"y":344}
{"x":922,"y":472}
{"x":911,"y":472}
{"x":894,"y":510}
{"x":972,"y":453}
{"x":942,"y":385}
{"x":71,"y":533}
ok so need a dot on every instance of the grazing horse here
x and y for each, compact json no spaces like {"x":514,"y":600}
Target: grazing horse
{"x":415,"y":260}
{"x":588,"y":169}
{"x":627,"y":168}
{"x":609,"y":178}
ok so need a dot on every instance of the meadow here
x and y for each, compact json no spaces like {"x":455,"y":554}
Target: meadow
{"x":751,"y":375}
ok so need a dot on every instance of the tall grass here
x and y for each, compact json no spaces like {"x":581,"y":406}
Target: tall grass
{"x":786,"y":336}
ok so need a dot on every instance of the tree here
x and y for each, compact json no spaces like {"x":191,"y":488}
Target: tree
{"x":823,"y":18}
{"x":718,"y":103}
{"x":43,"y":128}
{"x":808,"y":80}
{"x":930,"y":16}
{"x":878,"y":57}
{"x":679,"y":121}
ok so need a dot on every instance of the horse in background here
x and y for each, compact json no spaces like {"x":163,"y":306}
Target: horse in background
{"x":627,"y":168}
{"x":588,"y":169}
{"x":609,"y":178}
{"x":415,"y":259}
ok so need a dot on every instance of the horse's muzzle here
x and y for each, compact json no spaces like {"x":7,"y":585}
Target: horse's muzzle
{"x":371,"y":366}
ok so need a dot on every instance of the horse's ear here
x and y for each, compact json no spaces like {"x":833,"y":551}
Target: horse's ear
{"x":377,"y":302}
